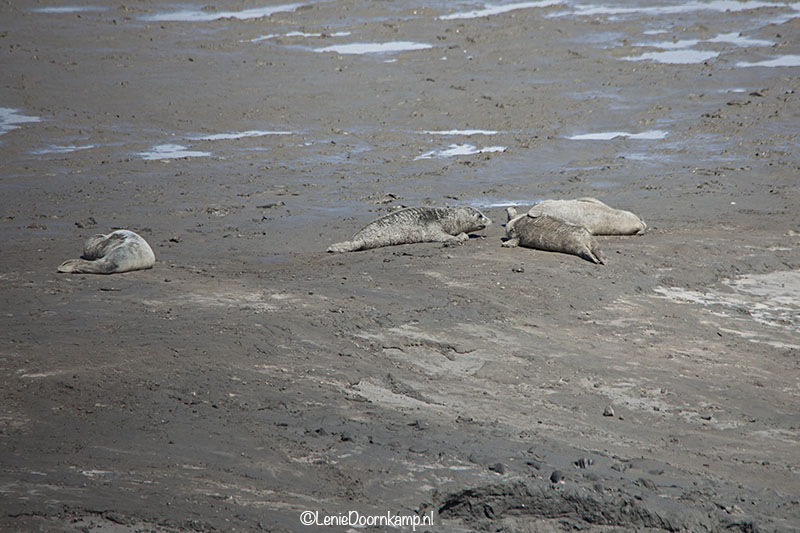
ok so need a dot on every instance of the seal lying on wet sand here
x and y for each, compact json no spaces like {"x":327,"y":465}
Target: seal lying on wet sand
{"x":416,"y":224}
{"x":119,"y":251}
{"x":592,"y":214}
{"x":551,"y":234}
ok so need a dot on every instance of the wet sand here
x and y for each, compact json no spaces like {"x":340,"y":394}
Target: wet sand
{"x":249,"y":376}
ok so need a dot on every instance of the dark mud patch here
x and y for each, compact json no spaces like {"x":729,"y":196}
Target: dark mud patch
{"x":577,"y":507}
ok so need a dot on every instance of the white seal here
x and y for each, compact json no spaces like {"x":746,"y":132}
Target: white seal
{"x":119,"y":251}
{"x":593,"y":215}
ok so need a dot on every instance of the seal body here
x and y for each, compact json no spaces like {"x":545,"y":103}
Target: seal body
{"x":416,"y":224}
{"x":552,"y":234}
{"x":593,"y":215}
{"x":119,"y":251}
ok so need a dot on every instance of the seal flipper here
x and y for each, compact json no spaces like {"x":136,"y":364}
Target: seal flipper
{"x":345,"y":246}
{"x":70,"y":265}
{"x":511,"y":243}
{"x":601,"y":258}
{"x":443,"y":236}
{"x":451,"y":240}
{"x":589,"y":256}
{"x":593,"y":253}
{"x":82,"y":266}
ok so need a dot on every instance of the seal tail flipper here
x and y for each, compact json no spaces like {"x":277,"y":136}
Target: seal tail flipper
{"x":82,"y":266}
{"x":590,"y":200}
{"x":595,"y":254}
{"x":70,"y":265}
{"x":511,"y":213}
{"x":341,"y":247}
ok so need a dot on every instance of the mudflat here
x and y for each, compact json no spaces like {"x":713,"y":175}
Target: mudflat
{"x":249,"y":377}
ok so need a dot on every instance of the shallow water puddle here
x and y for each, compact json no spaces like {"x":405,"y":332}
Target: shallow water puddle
{"x":719,"y":6}
{"x":676,"y":57}
{"x":304,"y":34}
{"x":772,"y":299}
{"x":38,"y":375}
{"x":240,"y":135}
{"x":739,"y":40}
{"x":489,"y":204}
{"x":608,"y":135}
{"x":680,"y":51}
{"x":781,"y":287}
{"x":374,"y":48}
{"x":97,"y":473}
{"x":466,"y":133}
{"x":57,"y":149}
{"x":171,"y":151}
{"x":9,"y":118}
{"x":732,"y":38}
{"x":67,"y":9}
{"x":263,"y":38}
{"x":299,"y":34}
{"x":790,"y":60}
{"x":491,"y":9}
{"x":460,"y":149}
{"x":760,"y":338}
{"x":653,"y":158}
{"x":207,"y":15}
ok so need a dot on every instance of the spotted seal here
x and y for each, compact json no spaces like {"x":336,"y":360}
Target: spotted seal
{"x":552,"y":234}
{"x":119,"y":251}
{"x":593,"y":215}
{"x":416,"y":224}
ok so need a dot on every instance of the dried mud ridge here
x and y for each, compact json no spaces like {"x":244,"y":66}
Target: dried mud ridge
{"x":577,"y":507}
{"x":88,"y":519}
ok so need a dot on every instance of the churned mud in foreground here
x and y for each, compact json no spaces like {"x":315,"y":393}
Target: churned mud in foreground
{"x":249,"y":376}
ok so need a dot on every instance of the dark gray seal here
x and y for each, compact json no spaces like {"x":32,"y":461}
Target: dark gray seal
{"x":551,"y":234}
{"x":416,"y":224}
{"x":593,"y":215}
{"x":119,"y":251}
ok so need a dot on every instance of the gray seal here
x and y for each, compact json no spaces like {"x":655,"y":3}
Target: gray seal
{"x":593,"y":215}
{"x":551,"y":234}
{"x":416,"y":224}
{"x":119,"y":251}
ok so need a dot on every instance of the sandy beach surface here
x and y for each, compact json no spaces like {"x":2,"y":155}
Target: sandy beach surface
{"x":250,"y":377}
